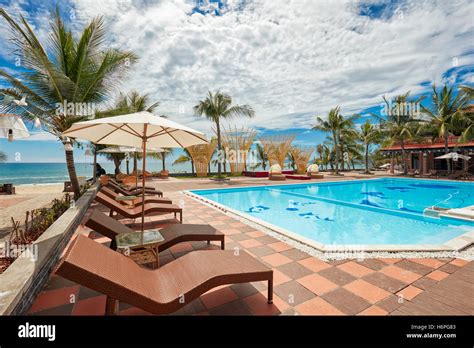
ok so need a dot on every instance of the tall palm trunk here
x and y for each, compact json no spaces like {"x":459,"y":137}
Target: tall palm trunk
{"x":128,"y":169}
{"x":446,"y":150}
{"x":72,"y":173}
{"x":366,"y":158}
{"x":163,"y":160}
{"x":404,"y":157}
{"x":341,"y":152}
{"x":117,"y":166}
{"x":94,"y":170}
{"x":219,"y":147}
{"x":336,"y":147}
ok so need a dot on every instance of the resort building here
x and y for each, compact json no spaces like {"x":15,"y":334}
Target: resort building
{"x":421,"y":156}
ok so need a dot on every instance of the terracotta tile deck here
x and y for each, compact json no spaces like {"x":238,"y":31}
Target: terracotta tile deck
{"x":303,"y":284}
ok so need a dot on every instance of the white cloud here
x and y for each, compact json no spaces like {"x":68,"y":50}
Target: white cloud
{"x":290,"y":60}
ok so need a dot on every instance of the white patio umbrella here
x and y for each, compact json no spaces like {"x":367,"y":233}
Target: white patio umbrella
{"x":454,"y":156}
{"x":141,"y":129}
{"x":12,"y":127}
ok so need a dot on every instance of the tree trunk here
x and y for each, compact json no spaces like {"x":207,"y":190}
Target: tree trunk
{"x":72,"y":173}
{"x":219,"y":148}
{"x":128,"y":169}
{"x":336,"y":147}
{"x":163,"y":160}
{"x":446,"y":150}
{"x":192,"y":167}
{"x":94,"y":170}
{"x":341,"y":152}
{"x":135,"y":164}
{"x":367,"y":158}
{"x":404,"y":159}
{"x":117,"y":165}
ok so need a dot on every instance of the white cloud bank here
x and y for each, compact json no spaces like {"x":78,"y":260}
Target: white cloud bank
{"x":284,"y":57}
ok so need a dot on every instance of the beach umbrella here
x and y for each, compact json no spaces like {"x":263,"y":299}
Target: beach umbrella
{"x":454,"y":156}
{"x":129,"y":150}
{"x":12,"y":127}
{"x":141,"y":129}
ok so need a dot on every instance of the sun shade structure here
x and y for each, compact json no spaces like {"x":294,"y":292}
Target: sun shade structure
{"x":454,"y":156}
{"x":237,"y":142}
{"x":128,"y":149}
{"x":201,"y":155}
{"x":141,"y":129}
{"x":277,"y":147}
{"x":301,"y":157}
{"x":12,"y":127}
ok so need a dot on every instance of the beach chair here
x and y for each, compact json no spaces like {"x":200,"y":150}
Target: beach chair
{"x":275,"y":173}
{"x":172,"y":234}
{"x":313,"y":172}
{"x":133,"y":186}
{"x":135,"y":201}
{"x":135,"y":212}
{"x":134,"y":192}
{"x":159,"y":291}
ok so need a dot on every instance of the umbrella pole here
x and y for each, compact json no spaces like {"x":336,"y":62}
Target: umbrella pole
{"x":136,"y":171}
{"x":143,"y":180}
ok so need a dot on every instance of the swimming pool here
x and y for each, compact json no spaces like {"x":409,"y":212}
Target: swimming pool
{"x":362,"y":212}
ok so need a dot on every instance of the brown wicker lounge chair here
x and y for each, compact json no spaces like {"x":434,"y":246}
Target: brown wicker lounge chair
{"x":137,"y":191}
{"x":173,"y":233}
{"x":135,"y":212}
{"x":133,"y":186}
{"x":163,"y":290}
{"x":138,"y":201}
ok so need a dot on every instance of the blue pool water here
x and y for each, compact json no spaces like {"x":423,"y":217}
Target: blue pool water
{"x":376,"y":211}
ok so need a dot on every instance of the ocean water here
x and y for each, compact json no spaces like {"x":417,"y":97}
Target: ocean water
{"x":43,"y":173}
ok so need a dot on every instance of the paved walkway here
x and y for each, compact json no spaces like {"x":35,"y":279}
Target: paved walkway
{"x":302,"y":284}
{"x":452,"y":296}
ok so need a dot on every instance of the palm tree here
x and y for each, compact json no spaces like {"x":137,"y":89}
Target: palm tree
{"x":162,"y":156}
{"x":261,"y":156}
{"x":445,"y":114}
{"x":369,"y":134}
{"x":3,"y":156}
{"x":185,"y":158}
{"x":320,"y":150}
{"x":219,"y":106}
{"x":399,"y":125}
{"x":74,"y":71}
{"x":334,"y":124}
{"x":348,"y":142}
{"x":129,"y":103}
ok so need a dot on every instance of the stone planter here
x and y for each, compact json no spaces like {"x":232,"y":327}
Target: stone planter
{"x":26,"y":276}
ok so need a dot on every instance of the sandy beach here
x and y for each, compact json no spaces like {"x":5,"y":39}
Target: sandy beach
{"x":27,"y":197}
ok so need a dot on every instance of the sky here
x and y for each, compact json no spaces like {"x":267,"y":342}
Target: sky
{"x":291,"y":60}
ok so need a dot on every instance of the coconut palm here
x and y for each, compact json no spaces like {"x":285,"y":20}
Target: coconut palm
{"x":218,"y":106}
{"x":445,"y":115}
{"x":3,"y":156}
{"x":185,"y":158}
{"x":335,"y":124}
{"x":261,"y":156}
{"x":399,"y":125}
{"x":368,"y":135}
{"x":72,"y":71}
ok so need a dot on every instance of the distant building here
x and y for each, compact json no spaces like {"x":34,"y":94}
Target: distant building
{"x":421,"y":155}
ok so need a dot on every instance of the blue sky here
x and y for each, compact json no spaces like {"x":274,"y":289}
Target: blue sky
{"x":290,"y":60}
